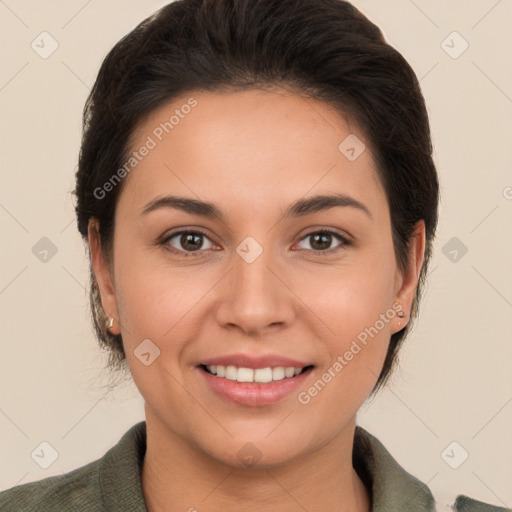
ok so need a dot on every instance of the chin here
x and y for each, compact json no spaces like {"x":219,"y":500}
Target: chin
{"x":249,"y":456}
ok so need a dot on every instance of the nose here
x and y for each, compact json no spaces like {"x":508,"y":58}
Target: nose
{"x":255,"y":295}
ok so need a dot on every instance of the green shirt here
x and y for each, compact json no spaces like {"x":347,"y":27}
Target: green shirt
{"x":113,"y":482}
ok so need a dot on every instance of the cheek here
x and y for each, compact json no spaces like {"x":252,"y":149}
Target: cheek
{"x":153,"y":304}
{"x":355,"y":302}
{"x":349,"y":296}
{"x":162,"y":303}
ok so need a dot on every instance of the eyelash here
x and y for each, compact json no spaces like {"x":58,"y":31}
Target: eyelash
{"x":344,"y":240}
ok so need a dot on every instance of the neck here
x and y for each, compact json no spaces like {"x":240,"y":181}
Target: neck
{"x":177,"y":476}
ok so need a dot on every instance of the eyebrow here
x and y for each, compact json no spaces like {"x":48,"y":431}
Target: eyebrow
{"x":298,"y":209}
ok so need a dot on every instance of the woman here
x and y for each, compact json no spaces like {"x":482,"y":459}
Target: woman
{"x":257,"y":192}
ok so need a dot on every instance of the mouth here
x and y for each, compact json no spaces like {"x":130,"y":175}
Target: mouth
{"x":254,"y":375}
{"x":253,"y":387}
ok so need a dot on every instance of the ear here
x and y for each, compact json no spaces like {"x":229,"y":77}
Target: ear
{"x":103,"y":275}
{"x":407,"y":281}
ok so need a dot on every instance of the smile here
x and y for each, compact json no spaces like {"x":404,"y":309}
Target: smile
{"x":257,"y":375}
{"x":253,"y":387}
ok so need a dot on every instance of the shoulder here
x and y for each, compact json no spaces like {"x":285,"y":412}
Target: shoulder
{"x":466,"y":504}
{"x":77,"y":490}
{"x":394,"y":488}
{"x":110,"y":483}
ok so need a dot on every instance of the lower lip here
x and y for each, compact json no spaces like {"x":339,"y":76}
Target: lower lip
{"x":255,"y":394}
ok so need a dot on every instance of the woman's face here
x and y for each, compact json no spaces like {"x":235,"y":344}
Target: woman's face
{"x":264,"y":286}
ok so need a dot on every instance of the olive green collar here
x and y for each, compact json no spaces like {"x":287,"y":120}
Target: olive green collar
{"x":391,"y":488}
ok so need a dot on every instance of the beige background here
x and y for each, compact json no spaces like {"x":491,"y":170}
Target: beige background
{"x":455,"y":381}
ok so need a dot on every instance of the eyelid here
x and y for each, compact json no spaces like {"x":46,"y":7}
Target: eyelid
{"x":195,"y":231}
{"x":343,"y":238}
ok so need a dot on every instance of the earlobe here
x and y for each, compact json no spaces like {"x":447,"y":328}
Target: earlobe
{"x":103,"y":276}
{"x":408,"y":280}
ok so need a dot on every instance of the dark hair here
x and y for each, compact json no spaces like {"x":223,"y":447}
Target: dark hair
{"x":324,"y":49}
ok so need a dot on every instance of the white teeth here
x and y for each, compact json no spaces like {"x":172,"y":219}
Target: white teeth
{"x":245,"y":375}
{"x":289,"y":372}
{"x":261,"y":375}
{"x":278,"y":373}
{"x":231,"y":372}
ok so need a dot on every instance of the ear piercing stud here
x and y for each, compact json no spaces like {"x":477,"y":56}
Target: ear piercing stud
{"x":400,"y":314}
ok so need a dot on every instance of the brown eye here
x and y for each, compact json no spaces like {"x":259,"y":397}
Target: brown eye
{"x":321,"y":241}
{"x":184,"y":242}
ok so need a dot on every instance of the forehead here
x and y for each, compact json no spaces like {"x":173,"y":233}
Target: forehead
{"x":250,"y":149}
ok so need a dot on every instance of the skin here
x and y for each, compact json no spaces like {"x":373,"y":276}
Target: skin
{"x":252,"y":154}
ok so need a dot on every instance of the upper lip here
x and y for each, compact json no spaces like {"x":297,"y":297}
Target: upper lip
{"x":247,"y":361}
